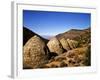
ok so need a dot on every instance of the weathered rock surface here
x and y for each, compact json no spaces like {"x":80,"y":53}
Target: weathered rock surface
{"x":72,"y":58}
{"x":55,"y":46}
{"x":68,"y":44}
{"x":35,"y":53}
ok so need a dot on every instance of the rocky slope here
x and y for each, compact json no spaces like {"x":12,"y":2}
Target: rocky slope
{"x":82,"y":36}
{"x":69,"y":49}
{"x":72,"y":58}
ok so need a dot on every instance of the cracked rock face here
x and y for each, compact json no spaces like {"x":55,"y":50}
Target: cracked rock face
{"x":55,"y":46}
{"x":68,"y":44}
{"x":34,"y":53}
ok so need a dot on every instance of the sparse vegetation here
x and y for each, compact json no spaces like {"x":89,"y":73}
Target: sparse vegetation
{"x":69,"y":49}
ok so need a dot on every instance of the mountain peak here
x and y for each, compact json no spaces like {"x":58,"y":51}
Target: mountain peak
{"x":76,"y":34}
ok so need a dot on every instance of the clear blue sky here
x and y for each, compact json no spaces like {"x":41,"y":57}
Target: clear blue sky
{"x":52,"y":23}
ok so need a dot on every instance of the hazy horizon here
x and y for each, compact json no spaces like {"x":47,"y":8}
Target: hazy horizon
{"x":47,"y":23}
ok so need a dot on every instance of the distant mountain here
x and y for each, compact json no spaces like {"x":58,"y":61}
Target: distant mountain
{"x":83,"y":36}
{"x":27,"y":34}
{"x":47,"y":36}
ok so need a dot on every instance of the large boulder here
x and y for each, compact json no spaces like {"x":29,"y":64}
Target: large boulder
{"x":68,"y":44}
{"x":35,"y":53}
{"x":72,"y":58}
{"x":65,"y":44}
{"x":55,"y":46}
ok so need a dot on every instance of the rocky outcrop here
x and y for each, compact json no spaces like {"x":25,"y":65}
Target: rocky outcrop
{"x":55,"y":46}
{"x":35,"y":53}
{"x":72,"y":58}
{"x":82,"y":36}
{"x":68,"y":44}
{"x":69,"y":49}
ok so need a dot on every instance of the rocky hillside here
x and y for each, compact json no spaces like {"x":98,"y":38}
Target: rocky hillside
{"x":82,"y":36}
{"x":69,"y":49}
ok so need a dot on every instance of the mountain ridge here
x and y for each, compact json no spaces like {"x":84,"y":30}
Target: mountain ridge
{"x":27,"y":34}
{"x":75,"y":34}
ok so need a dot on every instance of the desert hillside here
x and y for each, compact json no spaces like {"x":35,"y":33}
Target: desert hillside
{"x":69,"y":49}
{"x":82,"y":36}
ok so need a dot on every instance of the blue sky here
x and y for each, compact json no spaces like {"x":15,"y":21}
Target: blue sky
{"x":53,"y":23}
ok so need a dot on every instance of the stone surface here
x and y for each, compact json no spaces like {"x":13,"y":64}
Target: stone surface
{"x":55,"y":46}
{"x":68,"y":44}
{"x":35,"y":53}
{"x":72,"y":43}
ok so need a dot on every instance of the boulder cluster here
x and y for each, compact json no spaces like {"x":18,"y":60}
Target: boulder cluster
{"x":63,"y":52}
